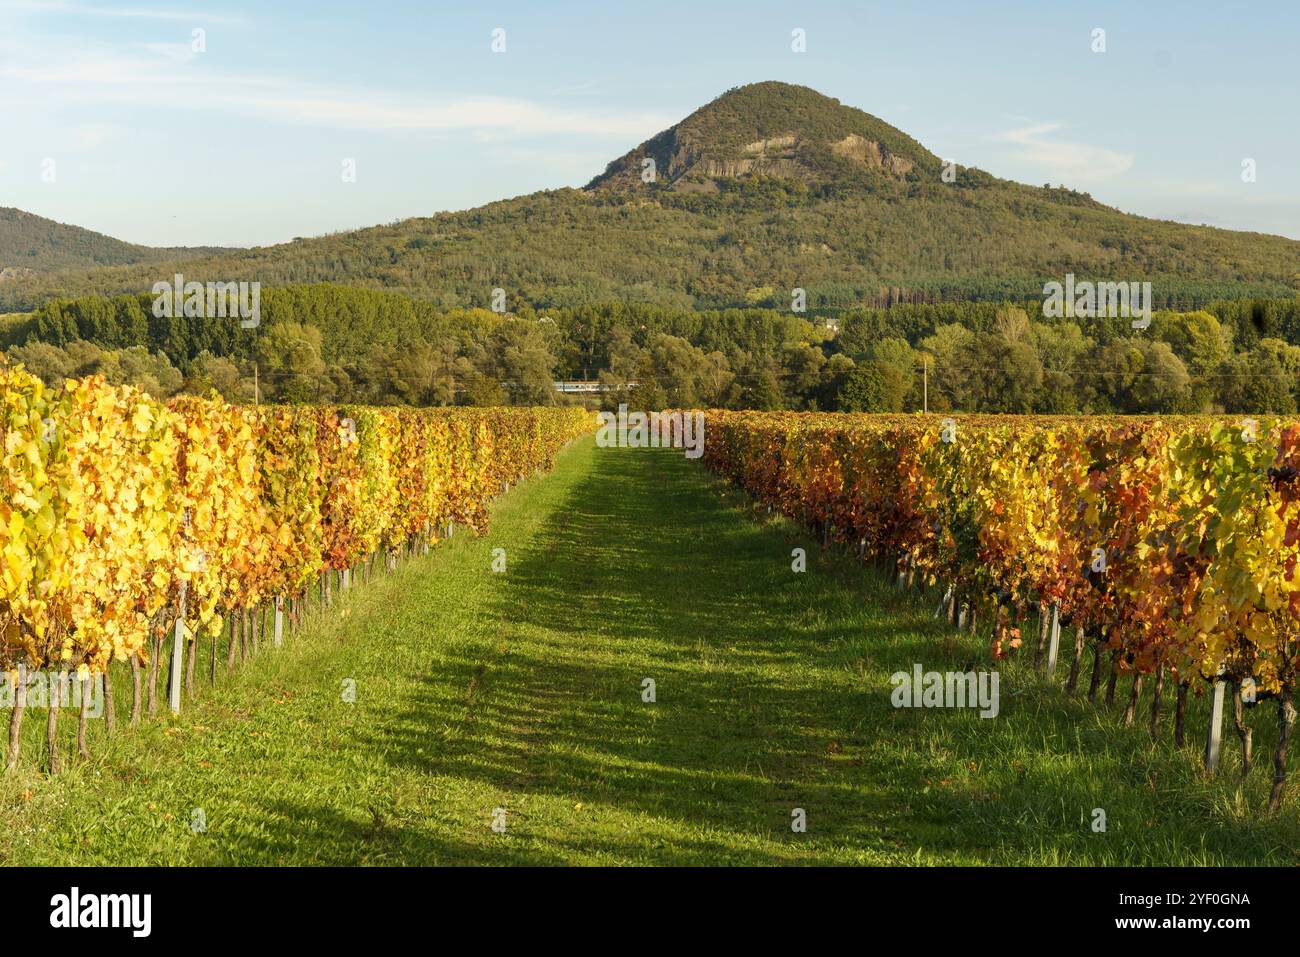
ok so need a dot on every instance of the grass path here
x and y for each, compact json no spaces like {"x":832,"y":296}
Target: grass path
{"x":523,"y":691}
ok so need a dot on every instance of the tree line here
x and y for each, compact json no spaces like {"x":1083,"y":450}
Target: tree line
{"x":326,"y":343}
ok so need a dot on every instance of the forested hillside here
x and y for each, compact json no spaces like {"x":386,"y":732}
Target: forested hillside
{"x":31,"y":244}
{"x":769,"y":188}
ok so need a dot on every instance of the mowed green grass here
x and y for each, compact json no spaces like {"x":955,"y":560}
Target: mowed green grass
{"x":523,"y":691}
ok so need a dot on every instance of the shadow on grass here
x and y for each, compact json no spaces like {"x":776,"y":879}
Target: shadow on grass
{"x":772,"y":693}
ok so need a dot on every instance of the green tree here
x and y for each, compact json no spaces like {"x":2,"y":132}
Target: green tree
{"x":896,"y":352}
{"x":47,"y":362}
{"x":290,"y":368}
{"x":209,"y":372}
{"x":801,"y":374}
{"x":999,"y":375}
{"x":524,"y":364}
{"x":872,"y":386}
{"x":1142,"y":375}
{"x":1256,"y":383}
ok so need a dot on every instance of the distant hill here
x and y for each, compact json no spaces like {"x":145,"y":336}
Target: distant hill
{"x":770,"y":129}
{"x":767,"y":188}
{"x":31,"y":245}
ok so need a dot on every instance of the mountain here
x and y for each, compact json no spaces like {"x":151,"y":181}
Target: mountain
{"x":768,"y":129}
{"x":767,"y":188}
{"x":31,"y":244}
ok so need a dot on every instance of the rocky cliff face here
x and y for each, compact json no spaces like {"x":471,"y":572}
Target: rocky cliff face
{"x":14,"y":273}
{"x":872,"y":154}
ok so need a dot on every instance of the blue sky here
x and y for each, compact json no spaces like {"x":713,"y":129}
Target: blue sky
{"x":244,"y":143}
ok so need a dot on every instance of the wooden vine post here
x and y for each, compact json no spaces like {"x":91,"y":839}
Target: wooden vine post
{"x":277,"y":635}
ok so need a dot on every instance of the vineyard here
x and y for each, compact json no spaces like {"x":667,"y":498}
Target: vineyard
{"x":646,"y":682}
{"x":128,"y":525}
{"x":1169,"y":545}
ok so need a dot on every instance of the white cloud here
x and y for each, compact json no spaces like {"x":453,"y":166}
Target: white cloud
{"x":550,"y":161}
{"x":1063,"y":161}
{"x":90,"y":135}
{"x":134,"y":13}
{"x":172,"y":52}
{"x":165,"y":77}
{"x":375,"y":110}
